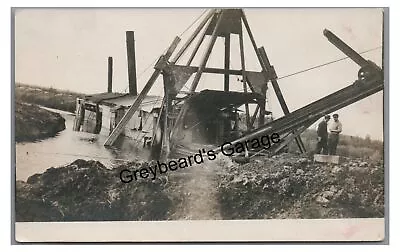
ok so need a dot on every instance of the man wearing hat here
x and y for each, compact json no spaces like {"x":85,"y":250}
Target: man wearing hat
{"x":322,"y":133}
{"x":335,"y":129}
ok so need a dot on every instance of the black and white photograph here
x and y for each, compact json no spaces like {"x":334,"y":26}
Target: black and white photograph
{"x":199,"y":119}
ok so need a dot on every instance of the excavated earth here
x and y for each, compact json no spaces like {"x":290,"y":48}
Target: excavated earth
{"x":291,"y":187}
{"x":286,"y":186}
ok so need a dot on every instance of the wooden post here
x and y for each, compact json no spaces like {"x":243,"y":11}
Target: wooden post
{"x":265,"y":70}
{"x":163,"y":61}
{"x":157,"y":123}
{"x":165,"y":142}
{"x":110,"y":74}
{"x":261,"y":119}
{"x":227,"y":61}
{"x":253,"y":118}
{"x":199,"y":72}
{"x":241,"y":48}
{"x":79,"y":114}
{"x":268,"y":68}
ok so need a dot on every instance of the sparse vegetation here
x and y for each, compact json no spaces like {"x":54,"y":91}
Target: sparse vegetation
{"x":349,"y":146}
{"x":48,"y":97}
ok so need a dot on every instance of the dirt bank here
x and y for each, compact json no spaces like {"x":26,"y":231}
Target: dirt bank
{"x":87,"y":190}
{"x":34,"y":123}
{"x":291,"y":187}
{"x":284,"y":187}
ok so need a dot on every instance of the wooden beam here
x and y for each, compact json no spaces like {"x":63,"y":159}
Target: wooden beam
{"x":268,"y":68}
{"x":227,"y":61}
{"x":265,"y":70}
{"x":192,"y":37}
{"x":219,"y":70}
{"x":253,"y":118}
{"x":199,"y":42}
{"x":206,"y":54}
{"x":153,"y":138}
{"x":241,"y":48}
{"x":128,"y":115}
{"x":197,"y":77}
{"x":165,"y":147}
{"x":261,"y":118}
{"x":110,"y":74}
{"x":294,"y":135}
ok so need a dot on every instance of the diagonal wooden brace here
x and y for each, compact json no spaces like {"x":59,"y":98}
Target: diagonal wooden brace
{"x":162,"y":62}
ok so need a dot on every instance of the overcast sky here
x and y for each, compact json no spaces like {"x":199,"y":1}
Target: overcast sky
{"x":68,"y":49}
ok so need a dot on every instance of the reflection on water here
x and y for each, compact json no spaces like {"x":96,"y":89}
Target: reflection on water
{"x":68,"y":146}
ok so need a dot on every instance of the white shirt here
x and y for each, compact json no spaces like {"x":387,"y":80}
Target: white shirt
{"x":335,"y":127}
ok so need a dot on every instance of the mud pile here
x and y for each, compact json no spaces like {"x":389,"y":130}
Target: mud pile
{"x":291,"y":187}
{"x":287,"y":186}
{"x":88,"y":191}
{"x":33,"y":123}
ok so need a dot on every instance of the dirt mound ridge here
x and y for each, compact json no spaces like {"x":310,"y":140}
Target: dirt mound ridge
{"x":88,"y":191}
{"x":291,"y":187}
{"x":286,"y":186}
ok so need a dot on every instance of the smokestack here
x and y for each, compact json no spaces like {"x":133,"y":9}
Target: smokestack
{"x":110,"y":73}
{"x":130,"y":47}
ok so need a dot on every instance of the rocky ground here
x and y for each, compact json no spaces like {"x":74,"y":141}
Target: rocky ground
{"x":286,"y":186}
{"x":34,"y":123}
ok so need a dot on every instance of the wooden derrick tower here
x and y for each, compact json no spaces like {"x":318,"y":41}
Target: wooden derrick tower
{"x":217,"y":24}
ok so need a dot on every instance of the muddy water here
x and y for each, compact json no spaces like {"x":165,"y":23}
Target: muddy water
{"x":68,"y":146}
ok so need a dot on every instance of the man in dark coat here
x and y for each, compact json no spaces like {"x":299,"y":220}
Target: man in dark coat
{"x":322,"y":133}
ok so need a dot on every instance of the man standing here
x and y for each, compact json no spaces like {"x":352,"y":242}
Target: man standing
{"x":335,"y":129}
{"x":322,"y":133}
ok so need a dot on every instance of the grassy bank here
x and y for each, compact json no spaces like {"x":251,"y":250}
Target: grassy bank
{"x":48,"y":97}
{"x":349,"y":146}
{"x":34,"y":123}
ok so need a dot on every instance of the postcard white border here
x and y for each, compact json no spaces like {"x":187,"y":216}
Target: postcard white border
{"x":368,"y":229}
